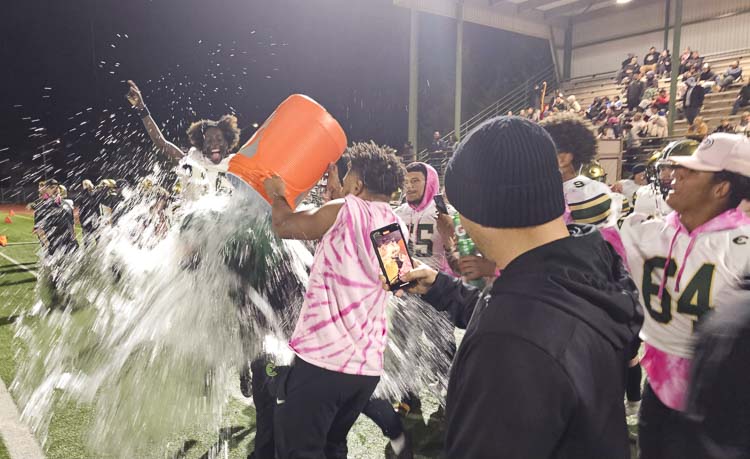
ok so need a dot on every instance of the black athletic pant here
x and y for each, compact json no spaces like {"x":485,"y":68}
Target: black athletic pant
{"x":381,"y":412}
{"x":265,"y":378}
{"x":691,"y":113}
{"x":662,"y":431}
{"x":315,"y":409}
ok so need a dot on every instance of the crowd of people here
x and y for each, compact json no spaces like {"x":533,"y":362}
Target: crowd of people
{"x":581,"y":285}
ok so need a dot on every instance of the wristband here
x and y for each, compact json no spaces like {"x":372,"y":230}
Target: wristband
{"x":143,"y":112}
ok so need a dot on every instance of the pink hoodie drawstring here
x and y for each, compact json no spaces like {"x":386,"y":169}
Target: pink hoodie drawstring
{"x":684,"y":262}
{"x":666,"y":264}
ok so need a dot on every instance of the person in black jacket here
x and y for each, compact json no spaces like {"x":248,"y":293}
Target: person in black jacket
{"x":718,"y":404}
{"x":541,"y":369}
{"x":635,"y":92}
{"x":743,"y":99}
{"x":692,"y":101}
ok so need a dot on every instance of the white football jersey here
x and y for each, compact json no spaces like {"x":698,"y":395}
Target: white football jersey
{"x":629,"y":189}
{"x":199,"y":175}
{"x":591,"y":202}
{"x":425,"y":242}
{"x":698,"y":278}
{"x":650,"y":202}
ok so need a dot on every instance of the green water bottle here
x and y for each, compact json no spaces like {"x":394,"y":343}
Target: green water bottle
{"x":465,"y":246}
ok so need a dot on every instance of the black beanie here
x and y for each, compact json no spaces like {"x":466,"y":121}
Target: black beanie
{"x":505,"y":175}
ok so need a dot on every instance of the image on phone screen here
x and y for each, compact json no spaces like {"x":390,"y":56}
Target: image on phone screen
{"x":393,"y":255}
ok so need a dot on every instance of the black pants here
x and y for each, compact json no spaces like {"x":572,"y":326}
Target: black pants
{"x":738,"y":104}
{"x":381,"y":412}
{"x":691,"y":113}
{"x":315,"y":409}
{"x":265,"y":379}
{"x":662,"y":431}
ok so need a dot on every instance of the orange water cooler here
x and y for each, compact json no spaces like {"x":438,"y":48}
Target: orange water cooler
{"x":297,"y":142}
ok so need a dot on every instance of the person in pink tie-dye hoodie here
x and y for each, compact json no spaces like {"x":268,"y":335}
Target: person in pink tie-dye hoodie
{"x":340,"y":336}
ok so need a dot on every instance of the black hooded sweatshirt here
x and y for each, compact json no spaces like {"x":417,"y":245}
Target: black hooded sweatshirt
{"x":542,"y":367}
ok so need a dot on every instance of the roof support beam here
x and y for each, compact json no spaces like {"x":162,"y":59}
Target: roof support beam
{"x":607,"y":11}
{"x":568,"y":8}
{"x":531,"y":4}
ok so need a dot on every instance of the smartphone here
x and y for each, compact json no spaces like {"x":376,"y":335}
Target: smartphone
{"x":393,"y":256}
{"x":440,"y":204}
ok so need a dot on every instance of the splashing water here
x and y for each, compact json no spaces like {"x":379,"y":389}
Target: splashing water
{"x":151,"y":331}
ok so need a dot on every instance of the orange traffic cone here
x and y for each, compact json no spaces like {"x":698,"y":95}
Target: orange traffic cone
{"x":11,"y":213}
{"x":8,"y":220}
{"x":3,"y":240}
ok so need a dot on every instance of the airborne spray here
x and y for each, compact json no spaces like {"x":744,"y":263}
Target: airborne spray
{"x":150,"y":330}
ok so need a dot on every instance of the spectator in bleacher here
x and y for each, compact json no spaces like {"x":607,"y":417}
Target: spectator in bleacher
{"x":616,"y":104}
{"x":560,"y":103}
{"x":657,"y":126}
{"x":631,"y":70}
{"x":594,"y":109}
{"x":631,"y":141}
{"x":650,"y":112}
{"x":664,"y":64}
{"x":732,"y":74}
{"x":743,"y":99}
{"x":634,"y":92}
{"x":744,"y":125}
{"x":640,"y":127}
{"x":437,"y":143}
{"x":650,"y":60}
{"x":698,"y":130}
{"x":573,"y":104}
{"x":684,"y":58}
{"x":647,"y":102}
{"x":724,"y":126}
{"x":651,"y":80}
{"x":692,"y":101}
{"x":662,"y":100}
{"x":407,"y":153}
{"x":695,"y":63}
{"x":621,"y":74}
{"x":707,"y":77}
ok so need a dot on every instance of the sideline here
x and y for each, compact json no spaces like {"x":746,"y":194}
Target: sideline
{"x":19,"y":264}
{"x":17,"y":437}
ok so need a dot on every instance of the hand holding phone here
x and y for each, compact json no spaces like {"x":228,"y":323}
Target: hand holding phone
{"x":393,"y":255}
{"x":440,"y":204}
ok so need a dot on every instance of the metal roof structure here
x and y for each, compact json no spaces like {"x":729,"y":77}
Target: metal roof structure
{"x":528,"y":17}
{"x":588,"y":36}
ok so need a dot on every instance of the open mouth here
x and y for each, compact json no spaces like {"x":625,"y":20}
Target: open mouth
{"x":216,"y":155}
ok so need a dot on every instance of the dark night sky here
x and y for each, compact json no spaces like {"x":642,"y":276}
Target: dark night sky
{"x":64,"y":64}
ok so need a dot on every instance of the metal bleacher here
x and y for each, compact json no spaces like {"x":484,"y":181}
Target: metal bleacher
{"x":717,"y":105}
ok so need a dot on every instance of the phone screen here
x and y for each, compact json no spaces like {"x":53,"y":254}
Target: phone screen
{"x":393,"y":255}
{"x":440,"y":204}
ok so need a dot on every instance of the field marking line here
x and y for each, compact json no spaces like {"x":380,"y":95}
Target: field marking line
{"x":17,"y":437}
{"x":18,"y":263}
